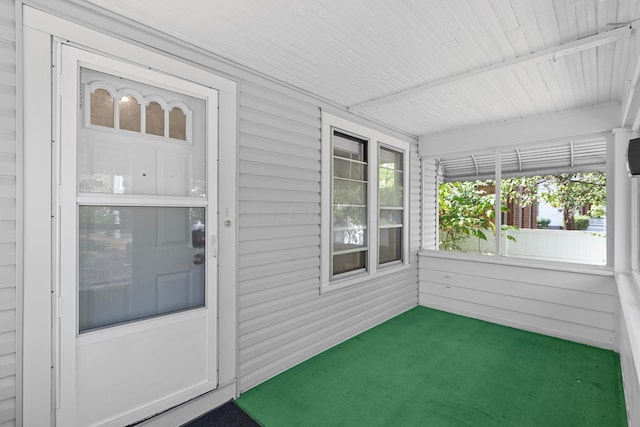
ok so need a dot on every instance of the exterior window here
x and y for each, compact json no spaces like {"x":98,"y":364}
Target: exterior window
{"x":364,"y":203}
{"x":542,"y":202}
{"x":391,"y":201}
{"x":350,"y":203}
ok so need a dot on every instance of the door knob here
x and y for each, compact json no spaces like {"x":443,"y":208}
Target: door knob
{"x":198,"y":259}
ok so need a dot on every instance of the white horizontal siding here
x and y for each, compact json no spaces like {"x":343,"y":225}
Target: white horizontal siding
{"x":430,"y":206}
{"x":415,"y":194}
{"x":576,"y":306}
{"x":628,"y":345}
{"x":283,"y":318}
{"x":7,"y":213}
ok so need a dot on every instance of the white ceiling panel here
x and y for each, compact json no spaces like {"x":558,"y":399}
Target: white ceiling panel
{"x":351,"y":52}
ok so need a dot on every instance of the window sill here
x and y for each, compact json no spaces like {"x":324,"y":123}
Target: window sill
{"x":350,"y":282}
{"x":601,"y":270}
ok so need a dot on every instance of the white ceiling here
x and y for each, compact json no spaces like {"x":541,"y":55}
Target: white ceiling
{"x":451,"y":64}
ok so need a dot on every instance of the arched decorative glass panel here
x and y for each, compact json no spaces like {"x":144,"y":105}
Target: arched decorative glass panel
{"x":130,"y":113}
{"x":102,"y":108}
{"x":155,"y":119}
{"x":177,"y":124}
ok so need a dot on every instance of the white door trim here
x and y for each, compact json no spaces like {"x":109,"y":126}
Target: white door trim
{"x":39,"y":388}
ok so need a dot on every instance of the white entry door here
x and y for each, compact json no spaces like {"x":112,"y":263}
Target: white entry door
{"x":137,"y":240}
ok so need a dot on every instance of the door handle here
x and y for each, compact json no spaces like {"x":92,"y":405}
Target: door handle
{"x":198,"y":259}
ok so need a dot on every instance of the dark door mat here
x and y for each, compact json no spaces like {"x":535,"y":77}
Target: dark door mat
{"x":227,"y":415}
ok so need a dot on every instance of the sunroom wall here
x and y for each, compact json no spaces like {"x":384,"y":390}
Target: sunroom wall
{"x":596,"y":306}
{"x":282,"y":317}
{"x":573,"y":302}
{"x":9,"y":363}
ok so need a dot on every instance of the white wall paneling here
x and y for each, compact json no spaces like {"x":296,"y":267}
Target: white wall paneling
{"x":588,"y":121}
{"x":283,"y":317}
{"x":278,"y":227}
{"x":580,"y":307}
{"x":629,"y":343}
{"x":8,"y":214}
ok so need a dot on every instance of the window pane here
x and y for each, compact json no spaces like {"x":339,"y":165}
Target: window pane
{"x":466,"y":216}
{"x":390,"y":159}
{"x":177,"y":124}
{"x":349,"y":147}
{"x":138,"y":262}
{"x":390,"y":244}
{"x":135,"y":163}
{"x":155,"y":119}
{"x":558,"y":216}
{"x":349,"y":216}
{"x":130,"y":115}
{"x":391,"y":194}
{"x":348,"y":238}
{"x":391,"y":216}
{"x":349,"y":192}
{"x":102,"y":109}
{"x":350,"y":203}
{"x":347,"y":169}
{"x":349,"y":262}
{"x":391,"y":188}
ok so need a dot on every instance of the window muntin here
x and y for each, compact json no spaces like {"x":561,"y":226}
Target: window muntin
{"x":391,"y":205}
{"x":350,"y":242}
{"x":531,"y":178}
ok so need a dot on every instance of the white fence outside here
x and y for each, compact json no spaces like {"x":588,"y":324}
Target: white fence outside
{"x":585,"y":247}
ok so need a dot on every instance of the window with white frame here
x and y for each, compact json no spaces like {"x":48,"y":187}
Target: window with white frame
{"x":364,"y":195}
{"x":542,"y":201}
{"x":349,"y":195}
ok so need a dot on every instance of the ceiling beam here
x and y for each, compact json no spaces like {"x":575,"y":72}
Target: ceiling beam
{"x":552,"y":53}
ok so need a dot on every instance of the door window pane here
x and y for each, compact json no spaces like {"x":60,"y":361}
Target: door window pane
{"x":102,"y":109}
{"x":142,"y":163}
{"x":155,"y":119}
{"x":177,"y":124}
{"x":139,"y":262}
{"x":130,"y":117}
{"x":130,"y":114}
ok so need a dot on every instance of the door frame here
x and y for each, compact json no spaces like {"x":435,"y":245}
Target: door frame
{"x":40,"y":301}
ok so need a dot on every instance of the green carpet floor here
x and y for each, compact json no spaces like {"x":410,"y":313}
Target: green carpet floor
{"x":431,"y":368}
